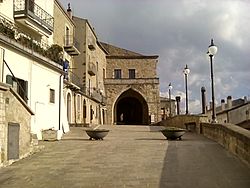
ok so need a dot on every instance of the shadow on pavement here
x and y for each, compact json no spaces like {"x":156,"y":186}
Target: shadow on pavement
{"x":199,"y":162}
{"x":150,"y":139}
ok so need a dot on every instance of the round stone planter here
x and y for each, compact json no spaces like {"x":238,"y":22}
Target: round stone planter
{"x":97,"y":134}
{"x":172,"y":133}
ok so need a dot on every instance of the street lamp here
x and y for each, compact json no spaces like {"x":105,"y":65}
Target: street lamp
{"x":212,"y":50}
{"x":170,"y":87}
{"x":186,"y":71}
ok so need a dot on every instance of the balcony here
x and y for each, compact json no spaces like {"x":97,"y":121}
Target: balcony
{"x":127,"y":81}
{"x":92,"y":69}
{"x":13,"y":36}
{"x":71,"y":46}
{"x":30,"y":14}
{"x":96,"y":95}
{"x":72,"y":80}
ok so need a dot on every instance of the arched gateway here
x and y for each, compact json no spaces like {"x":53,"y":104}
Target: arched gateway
{"x":131,"y":109}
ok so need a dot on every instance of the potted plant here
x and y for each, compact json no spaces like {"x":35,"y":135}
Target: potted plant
{"x":172,"y":133}
{"x":97,"y":134}
{"x":49,"y":134}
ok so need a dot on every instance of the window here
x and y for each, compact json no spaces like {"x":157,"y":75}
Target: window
{"x":51,"y":95}
{"x":67,"y":36}
{"x":19,"y":85}
{"x":78,"y":103}
{"x":103,"y":73}
{"x":117,"y":73}
{"x":131,"y":73}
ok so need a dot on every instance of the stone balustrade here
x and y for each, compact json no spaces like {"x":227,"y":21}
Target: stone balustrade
{"x":232,"y":137}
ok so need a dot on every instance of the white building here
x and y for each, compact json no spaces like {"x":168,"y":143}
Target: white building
{"x":30,"y":64}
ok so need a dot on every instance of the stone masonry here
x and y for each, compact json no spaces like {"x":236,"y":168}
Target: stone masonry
{"x":145,"y":82}
{"x":14,"y":110}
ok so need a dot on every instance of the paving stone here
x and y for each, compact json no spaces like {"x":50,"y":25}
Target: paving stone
{"x":130,"y":156}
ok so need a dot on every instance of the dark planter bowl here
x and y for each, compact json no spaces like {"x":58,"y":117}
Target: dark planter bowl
{"x":97,"y":134}
{"x":172,"y":133}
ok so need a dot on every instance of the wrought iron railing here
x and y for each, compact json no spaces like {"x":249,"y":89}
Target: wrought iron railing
{"x":70,"y":40}
{"x":30,"y":8}
{"x":73,"y":78}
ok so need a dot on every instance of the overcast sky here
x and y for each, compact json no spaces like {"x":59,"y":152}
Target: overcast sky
{"x":179,"y":31}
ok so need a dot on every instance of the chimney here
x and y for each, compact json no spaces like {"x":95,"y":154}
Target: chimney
{"x":210,"y":105}
{"x":229,"y":102}
{"x":69,"y":11}
{"x":203,"y":100}
{"x":178,"y":99}
{"x":245,"y":99}
{"x":223,"y":104}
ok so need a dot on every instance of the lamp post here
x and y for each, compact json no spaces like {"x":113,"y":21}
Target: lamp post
{"x":212,"y":50}
{"x":186,"y":71}
{"x":170,"y":87}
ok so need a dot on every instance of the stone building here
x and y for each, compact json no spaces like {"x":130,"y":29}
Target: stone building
{"x":15,"y":125}
{"x":165,"y":107}
{"x":90,"y":68}
{"x":232,"y":111}
{"x":132,"y":87}
{"x":64,"y":36}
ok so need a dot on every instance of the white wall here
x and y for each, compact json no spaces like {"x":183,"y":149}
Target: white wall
{"x":6,"y":7}
{"x":40,"y":80}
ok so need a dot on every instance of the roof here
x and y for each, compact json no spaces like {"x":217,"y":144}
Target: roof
{"x":165,"y":99}
{"x":235,"y":104}
{"x":115,"y":52}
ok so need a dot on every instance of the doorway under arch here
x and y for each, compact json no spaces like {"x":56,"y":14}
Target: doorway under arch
{"x":131,"y":109}
{"x":69,"y":107}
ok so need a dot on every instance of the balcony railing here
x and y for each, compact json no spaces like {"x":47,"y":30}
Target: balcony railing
{"x":36,"y":15}
{"x":92,"y":69}
{"x":71,"y":46}
{"x":112,"y":81}
{"x":72,"y":79}
{"x":94,"y":94}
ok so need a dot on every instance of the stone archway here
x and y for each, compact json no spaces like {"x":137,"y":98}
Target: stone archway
{"x":131,"y":109}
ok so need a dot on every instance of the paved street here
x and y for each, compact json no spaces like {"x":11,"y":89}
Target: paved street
{"x":130,"y":156}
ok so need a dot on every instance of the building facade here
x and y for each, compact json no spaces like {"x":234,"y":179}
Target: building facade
{"x":31,"y":65}
{"x":132,"y":87}
{"x":233,"y":111}
{"x":90,"y":68}
{"x":165,"y":108}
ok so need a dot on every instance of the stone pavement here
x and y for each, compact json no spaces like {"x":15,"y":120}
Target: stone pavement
{"x":130,"y":156}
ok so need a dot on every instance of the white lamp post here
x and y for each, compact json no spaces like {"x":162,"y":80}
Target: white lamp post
{"x":212,"y":50}
{"x":186,"y":71}
{"x":170,"y":87}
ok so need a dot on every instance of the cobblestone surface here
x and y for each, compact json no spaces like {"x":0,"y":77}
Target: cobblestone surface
{"x":130,"y":156}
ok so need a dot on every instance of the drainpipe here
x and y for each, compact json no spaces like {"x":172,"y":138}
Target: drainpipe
{"x":75,"y":107}
{"x":60,"y":91}
{"x":3,"y":64}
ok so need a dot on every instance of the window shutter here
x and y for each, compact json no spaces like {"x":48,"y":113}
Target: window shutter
{"x":9,"y":80}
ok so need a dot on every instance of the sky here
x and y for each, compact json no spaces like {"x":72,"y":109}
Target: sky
{"x":180,"y":31}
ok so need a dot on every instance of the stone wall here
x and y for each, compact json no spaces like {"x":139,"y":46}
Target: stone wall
{"x":149,"y":91}
{"x":145,"y":82}
{"x":145,"y":68}
{"x":190,"y":122}
{"x":14,"y":110}
{"x":232,"y":137}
